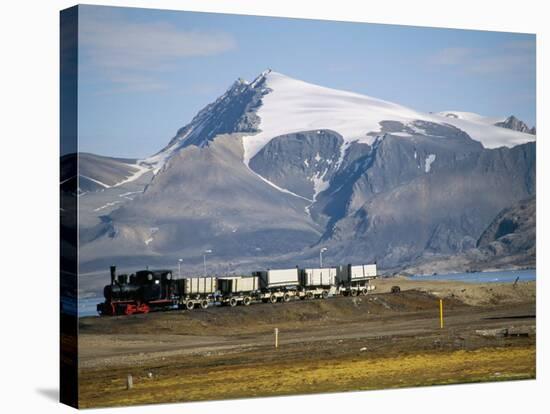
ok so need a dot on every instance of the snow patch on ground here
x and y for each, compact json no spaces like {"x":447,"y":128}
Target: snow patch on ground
{"x":319,"y":184}
{"x":306,"y":162}
{"x":275,"y":186}
{"x":152,"y":230}
{"x":402,"y":134}
{"x":129,"y":193}
{"x":141,"y":169}
{"x":416,"y":129}
{"x":107,"y":205}
{"x":343,"y":148}
{"x":428,"y":162}
{"x":95,"y":181}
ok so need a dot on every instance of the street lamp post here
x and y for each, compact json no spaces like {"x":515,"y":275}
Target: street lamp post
{"x":324,"y":249}
{"x":204,"y":259}
{"x":179,"y":267}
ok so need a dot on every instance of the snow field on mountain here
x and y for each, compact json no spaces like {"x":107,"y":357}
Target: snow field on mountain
{"x":483,"y":129}
{"x":292,"y":106}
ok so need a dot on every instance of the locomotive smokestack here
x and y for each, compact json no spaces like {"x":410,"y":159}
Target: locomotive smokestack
{"x":113,"y":274}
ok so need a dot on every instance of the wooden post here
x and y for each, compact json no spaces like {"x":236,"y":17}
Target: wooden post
{"x":129,"y":382}
{"x":276,"y":338}
{"x":441,"y":313}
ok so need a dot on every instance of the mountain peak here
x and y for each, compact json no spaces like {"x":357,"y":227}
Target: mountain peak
{"x":261,"y":78}
{"x":516,"y":124}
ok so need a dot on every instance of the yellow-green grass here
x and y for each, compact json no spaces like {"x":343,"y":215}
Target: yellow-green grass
{"x":279,"y":377}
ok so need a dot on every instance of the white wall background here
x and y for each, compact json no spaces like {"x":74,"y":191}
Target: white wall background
{"x":29,"y":131}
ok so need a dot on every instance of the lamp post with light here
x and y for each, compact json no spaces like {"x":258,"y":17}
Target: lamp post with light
{"x":179,"y":267}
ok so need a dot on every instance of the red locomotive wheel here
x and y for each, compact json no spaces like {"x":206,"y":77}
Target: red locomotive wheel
{"x":130,"y":309}
{"x":143,"y":308}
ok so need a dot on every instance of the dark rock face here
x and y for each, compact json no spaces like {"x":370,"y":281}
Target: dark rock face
{"x":440,"y":201}
{"x":233,"y":112}
{"x":508,"y":242}
{"x":299,"y":162}
{"x":517,"y":125}
{"x":513,"y":229}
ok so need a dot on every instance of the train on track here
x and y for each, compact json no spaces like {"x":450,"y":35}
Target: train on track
{"x":149,"y":290}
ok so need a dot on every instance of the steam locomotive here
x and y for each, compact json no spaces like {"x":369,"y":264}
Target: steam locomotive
{"x":138,"y":293}
{"x":148,"y":290}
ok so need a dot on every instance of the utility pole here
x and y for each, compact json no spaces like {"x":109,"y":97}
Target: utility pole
{"x":324,"y":249}
{"x":179,"y":268}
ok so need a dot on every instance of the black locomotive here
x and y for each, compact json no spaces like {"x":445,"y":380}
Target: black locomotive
{"x":139,"y":292}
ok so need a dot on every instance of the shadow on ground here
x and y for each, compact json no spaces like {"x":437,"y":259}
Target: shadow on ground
{"x":49,"y":393}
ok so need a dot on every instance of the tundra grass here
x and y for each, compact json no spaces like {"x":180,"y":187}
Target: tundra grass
{"x":276,"y":377}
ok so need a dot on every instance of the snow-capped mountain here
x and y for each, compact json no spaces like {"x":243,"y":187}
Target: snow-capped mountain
{"x":261,"y":106}
{"x":276,"y":167}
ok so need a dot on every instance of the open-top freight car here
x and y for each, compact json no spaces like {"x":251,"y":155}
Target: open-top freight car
{"x":317,"y":283}
{"x":196,"y":291}
{"x":278,"y":285}
{"x":355,"y":279}
{"x":235,"y":290}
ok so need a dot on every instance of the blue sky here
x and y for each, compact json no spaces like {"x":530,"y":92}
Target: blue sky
{"x":145,"y":73}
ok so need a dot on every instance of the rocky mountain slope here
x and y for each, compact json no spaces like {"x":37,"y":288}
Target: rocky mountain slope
{"x":509,"y":242}
{"x":276,"y":168}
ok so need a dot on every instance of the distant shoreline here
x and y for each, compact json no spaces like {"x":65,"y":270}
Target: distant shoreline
{"x":487,"y":276}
